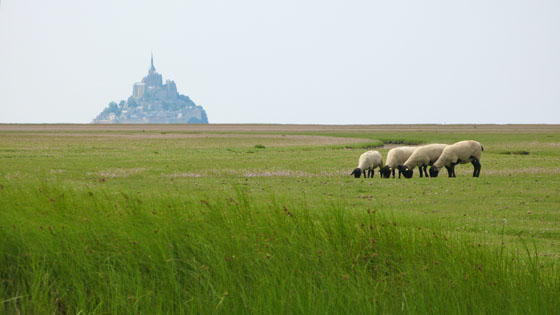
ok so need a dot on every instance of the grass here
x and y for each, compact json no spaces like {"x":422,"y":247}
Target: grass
{"x":101,"y":224}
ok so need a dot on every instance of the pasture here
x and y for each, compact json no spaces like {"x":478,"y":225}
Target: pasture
{"x":267,"y":219}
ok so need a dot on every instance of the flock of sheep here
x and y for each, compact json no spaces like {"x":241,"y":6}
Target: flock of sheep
{"x":405,"y":159}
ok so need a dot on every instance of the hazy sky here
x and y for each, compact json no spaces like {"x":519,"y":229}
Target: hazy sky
{"x":289,"y":61}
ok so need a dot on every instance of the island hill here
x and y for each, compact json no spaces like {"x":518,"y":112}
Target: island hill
{"x":153,"y":103}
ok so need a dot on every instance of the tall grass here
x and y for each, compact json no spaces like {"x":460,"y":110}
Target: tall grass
{"x":69,"y":250}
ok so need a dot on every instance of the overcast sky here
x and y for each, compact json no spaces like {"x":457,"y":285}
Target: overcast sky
{"x":289,"y":61}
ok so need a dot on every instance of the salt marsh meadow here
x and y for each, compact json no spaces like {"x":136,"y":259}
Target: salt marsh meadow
{"x":266,"y":219}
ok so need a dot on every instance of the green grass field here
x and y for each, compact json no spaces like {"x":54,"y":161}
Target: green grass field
{"x":267,"y":219}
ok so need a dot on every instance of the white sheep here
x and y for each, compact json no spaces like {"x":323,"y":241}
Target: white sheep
{"x":461,"y":152}
{"x":395,"y":159}
{"x":422,"y":157}
{"x":368,"y":161}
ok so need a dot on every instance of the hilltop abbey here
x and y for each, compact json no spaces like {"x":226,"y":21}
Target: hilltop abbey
{"x":153,"y":102}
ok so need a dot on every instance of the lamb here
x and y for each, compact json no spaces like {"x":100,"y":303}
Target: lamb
{"x":395,"y":158}
{"x":368,"y":161}
{"x":422,"y":157}
{"x":461,"y":152}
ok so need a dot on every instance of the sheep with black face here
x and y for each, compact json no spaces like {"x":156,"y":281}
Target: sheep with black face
{"x":422,"y":157}
{"x":395,"y":159}
{"x":367,"y":162}
{"x":462,"y":152}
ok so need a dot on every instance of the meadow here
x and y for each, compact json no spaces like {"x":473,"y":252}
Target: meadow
{"x":266,"y":219}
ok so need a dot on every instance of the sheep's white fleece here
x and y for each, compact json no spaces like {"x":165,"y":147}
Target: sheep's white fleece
{"x":461,"y":152}
{"x":425,"y":155}
{"x":397,"y":156}
{"x":370,"y":160}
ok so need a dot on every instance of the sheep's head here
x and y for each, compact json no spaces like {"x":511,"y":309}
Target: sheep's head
{"x":385,"y":171}
{"x":357,"y":172}
{"x":407,"y":172}
{"x":434,"y":171}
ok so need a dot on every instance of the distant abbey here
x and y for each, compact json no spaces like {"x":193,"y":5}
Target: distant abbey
{"x":153,"y":103}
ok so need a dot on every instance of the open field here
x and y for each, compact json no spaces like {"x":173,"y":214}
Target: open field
{"x":195,"y":218}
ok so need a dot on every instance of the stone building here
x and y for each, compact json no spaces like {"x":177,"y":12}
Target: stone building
{"x":154,"y":102}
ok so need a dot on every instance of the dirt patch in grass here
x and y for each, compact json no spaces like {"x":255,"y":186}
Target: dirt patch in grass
{"x":506,"y":172}
{"x":280,"y":127}
{"x":518,"y":152}
{"x":182,"y":175}
{"x":275,"y":140}
{"x":276,"y":173}
{"x":461,"y":172}
{"x":242,"y":173}
{"x":118,"y":172}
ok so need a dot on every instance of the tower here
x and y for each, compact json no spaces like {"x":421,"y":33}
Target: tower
{"x":153,"y":78}
{"x":152,"y":68}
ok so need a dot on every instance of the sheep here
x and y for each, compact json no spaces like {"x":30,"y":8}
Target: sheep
{"x":422,"y":157}
{"x":368,"y":161}
{"x":395,"y":158}
{"x":461,"y":152}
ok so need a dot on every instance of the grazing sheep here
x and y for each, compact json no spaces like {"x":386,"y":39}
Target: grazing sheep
{"x":422,"y":157}
{"x":461,"y":152}
{"x":395,"y":158}
{"x":368,"y":161}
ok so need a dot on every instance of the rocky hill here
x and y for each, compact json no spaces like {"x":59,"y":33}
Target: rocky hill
{"x":153,"y":102}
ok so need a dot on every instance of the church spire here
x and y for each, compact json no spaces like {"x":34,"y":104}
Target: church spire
{"x":152,"y":68}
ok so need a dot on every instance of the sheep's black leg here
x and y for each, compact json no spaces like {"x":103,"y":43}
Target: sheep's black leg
{"x":420,"y":170}
{"x":393,"y":173}
{"x":399,"y":173}
{"x":448,"y":168}
{"x":372,"y":173}
{"x":426,"y":171}
{"x":477,"y":167}
{"x":451,"y":170}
